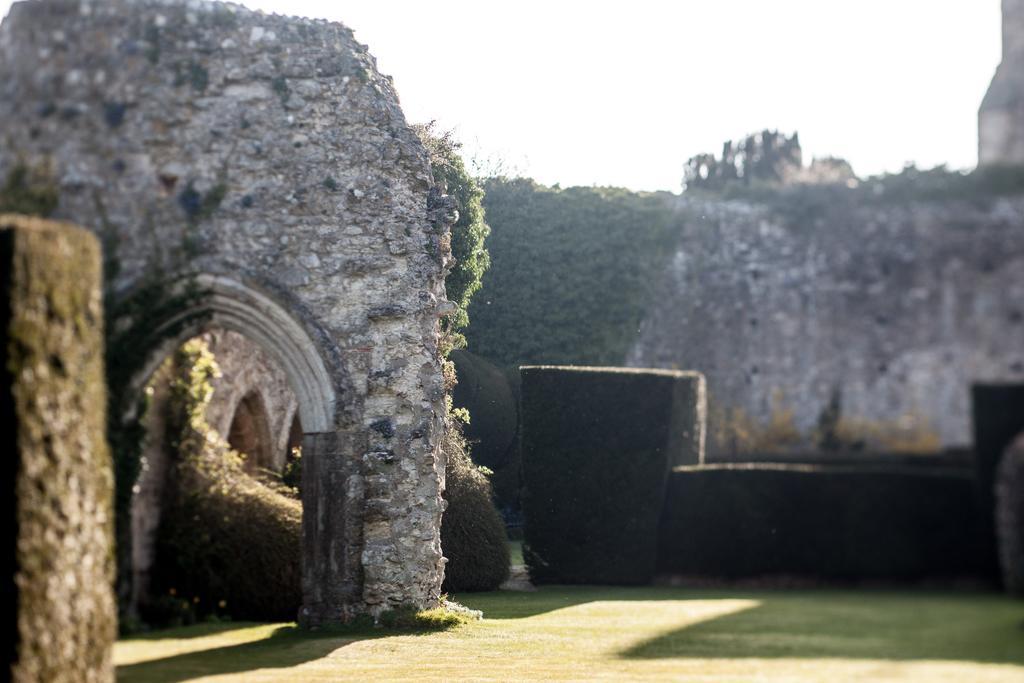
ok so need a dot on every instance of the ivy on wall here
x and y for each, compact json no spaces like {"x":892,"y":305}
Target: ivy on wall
{"x":571,"y":271}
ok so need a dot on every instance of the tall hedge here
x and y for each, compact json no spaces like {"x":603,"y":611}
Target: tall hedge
{"x":227,"y":543}
{"x":1009,"y":517}
{"x":827,"y":521}
{"x":597,"y":446}
{"x":572,"y":271}
{"x":491,"y":399}
{"x":58,"y":566}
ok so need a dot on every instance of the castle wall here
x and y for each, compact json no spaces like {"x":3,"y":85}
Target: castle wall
{"x":896,"y":308}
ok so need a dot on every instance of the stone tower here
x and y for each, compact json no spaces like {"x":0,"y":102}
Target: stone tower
{"x":1001,"y":117}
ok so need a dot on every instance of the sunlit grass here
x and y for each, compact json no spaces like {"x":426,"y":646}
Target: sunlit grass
{"x":578,"y":633}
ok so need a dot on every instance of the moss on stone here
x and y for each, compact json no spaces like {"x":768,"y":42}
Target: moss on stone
{"x":52,"y":415}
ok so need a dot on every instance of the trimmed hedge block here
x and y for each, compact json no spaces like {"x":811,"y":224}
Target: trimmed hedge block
{"x":59,"y":560}
{"x":1009,"y":509}
{"x":827,"y":521}
{"x":597,"y":445}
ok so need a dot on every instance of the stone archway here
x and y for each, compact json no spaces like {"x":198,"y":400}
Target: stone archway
{"x":256,"y":173}
{"x":249,"y":432}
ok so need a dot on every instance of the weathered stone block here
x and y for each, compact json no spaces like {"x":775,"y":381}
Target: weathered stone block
{"x":59,"y":481}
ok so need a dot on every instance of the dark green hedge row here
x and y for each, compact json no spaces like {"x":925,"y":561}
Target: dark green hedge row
{"x":597,"y":445}
{"x":840,"y":522}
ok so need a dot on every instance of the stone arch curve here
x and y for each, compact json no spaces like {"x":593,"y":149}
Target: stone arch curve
{"x":215,"y":301}
{"x":224,"y":302}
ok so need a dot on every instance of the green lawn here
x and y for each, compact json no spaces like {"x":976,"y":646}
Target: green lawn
{"x":584,"y":634}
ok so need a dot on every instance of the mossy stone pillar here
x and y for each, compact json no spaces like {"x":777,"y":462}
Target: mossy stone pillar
{"x":60,"y":614}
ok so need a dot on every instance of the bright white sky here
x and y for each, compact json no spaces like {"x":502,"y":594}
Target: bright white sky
{"x":584,"y":92}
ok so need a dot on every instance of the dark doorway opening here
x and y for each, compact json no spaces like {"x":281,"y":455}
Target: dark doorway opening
{"x":250,"y":432}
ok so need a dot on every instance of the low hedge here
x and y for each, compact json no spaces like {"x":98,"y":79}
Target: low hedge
{"x":472,"y":532}
{"x":597,"y":445}
{"x":828,"y":521}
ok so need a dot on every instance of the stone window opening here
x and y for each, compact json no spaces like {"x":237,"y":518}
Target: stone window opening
{"x":250,"y":433}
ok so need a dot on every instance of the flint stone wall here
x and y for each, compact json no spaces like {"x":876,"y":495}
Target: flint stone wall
{"x":900,"y":307}
{"x":59,"y":566}
{"x":265,"y":155}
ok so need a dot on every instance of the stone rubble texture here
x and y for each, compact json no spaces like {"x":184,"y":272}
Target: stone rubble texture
{"x":898,"y":306}
{"x":263,"y":164}
{"x":58,"y":477}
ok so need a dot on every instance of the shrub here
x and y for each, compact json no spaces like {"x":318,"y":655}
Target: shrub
{"x":472,"y":532}
{"x":228,"y":543}
{"x":831,"y":521}
{"x":1009,"y":498}
{"x":597,"y":446}
{"x":470,"y":229}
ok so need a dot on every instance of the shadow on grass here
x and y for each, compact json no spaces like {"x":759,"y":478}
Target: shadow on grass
{"x":899,"y":627}
{"x":286,"y":647}
{"x":521,"y":605}
{"x":194,"y":631}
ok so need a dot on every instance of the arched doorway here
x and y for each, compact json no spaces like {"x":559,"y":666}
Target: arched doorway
{"x":249,"y":433}
{"x":270,"y":363}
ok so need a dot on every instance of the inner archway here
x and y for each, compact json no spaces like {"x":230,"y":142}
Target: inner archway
{"x":249,"y":433}
{"x":269,"y":376}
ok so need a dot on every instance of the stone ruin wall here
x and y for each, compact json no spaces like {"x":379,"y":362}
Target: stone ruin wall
{"x":899,"y":307}
{"x":203,"y":139}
